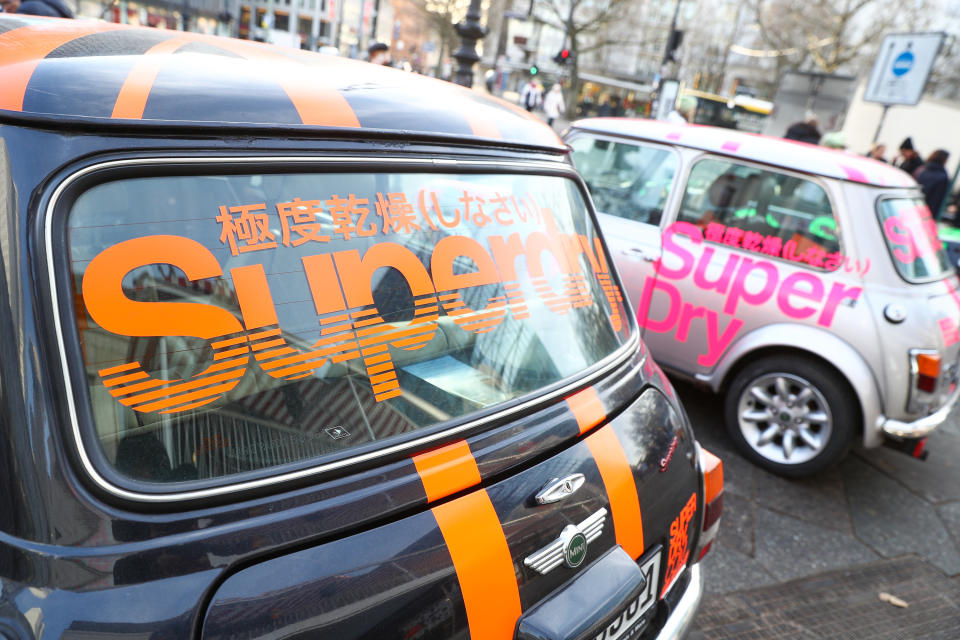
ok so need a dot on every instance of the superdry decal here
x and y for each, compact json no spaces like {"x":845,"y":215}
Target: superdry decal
{"x":247,"y":227}
{"x":798,"y":295}
{"x":679,"y":541}
{"x":912,"y":233}
{"x":553,"y":268}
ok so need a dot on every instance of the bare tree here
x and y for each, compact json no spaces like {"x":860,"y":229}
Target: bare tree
{"x":827,"y":35}
{"x":442,"y":16}
{"x":590,"y":25}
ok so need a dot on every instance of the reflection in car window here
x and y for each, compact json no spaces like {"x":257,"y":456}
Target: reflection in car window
{"x":911,"y":235}
{"x":236,"y":322}
{"x":628,"y":180}
{"x":767,"y":212}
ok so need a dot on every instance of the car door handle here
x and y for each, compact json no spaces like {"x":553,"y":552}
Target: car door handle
{"x":637,"y":252}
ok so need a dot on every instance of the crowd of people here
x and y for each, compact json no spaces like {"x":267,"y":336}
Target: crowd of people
{"x":931,"y":174}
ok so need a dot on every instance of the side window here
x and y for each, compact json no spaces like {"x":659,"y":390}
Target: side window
{"x":779,"y":215}
{"x":626,"y":179}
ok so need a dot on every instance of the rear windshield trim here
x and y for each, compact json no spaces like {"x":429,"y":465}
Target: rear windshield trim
{"x":601,"y":368}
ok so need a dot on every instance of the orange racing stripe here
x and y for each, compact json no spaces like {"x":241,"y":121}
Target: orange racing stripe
{"x":621,"y":489}
{"x":481,"y":557}
{"x":316,"y":105}
{"x":132,"y":99}
{"x":447,"y":470}
{"x":587,"y":408}
{"x":24,"y":47}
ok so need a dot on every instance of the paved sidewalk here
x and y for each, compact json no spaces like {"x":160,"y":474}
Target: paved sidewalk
{"x":840,"y":605}
{"x":878,"y":510}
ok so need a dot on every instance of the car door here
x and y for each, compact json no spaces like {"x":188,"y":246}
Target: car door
{"x":631,"y":183}
{"x":751,"y":246}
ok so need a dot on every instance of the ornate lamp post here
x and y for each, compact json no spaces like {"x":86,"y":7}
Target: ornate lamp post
{"x":470,"y":31}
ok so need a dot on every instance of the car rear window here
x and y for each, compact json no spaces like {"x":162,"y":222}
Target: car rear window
{"x":232,"y":323}
{"x":911,"y":236}
{"x":626,"y":179}
{"x":764,"y":211}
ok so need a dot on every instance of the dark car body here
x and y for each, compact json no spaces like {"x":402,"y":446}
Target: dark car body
{"x":229,"y":410}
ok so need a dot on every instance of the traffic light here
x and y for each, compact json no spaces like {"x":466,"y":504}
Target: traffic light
{"x":534,"y":70}
{"x":562,"y":56}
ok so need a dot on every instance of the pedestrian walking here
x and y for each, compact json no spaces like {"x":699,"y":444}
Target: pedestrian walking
{"x":51,"y":8}
{"x":553,"y":105}
{"x":683,"y":110}
{"x":531,"y":95}
{"x":804,"y":131}
{"x":379,"y":53}
{"x":934,"y":181}
{"x":909,"y":160}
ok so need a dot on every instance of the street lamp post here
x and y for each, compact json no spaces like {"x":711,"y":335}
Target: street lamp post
{"x":470,"y":31}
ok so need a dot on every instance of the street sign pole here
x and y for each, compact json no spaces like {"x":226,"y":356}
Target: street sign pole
{"x":883,"y":116}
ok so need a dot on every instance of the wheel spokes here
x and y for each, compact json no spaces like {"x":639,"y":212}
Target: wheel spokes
{"x":760,"y":395}
{"x":789,"y":438}
{"x":809,"y":438}
{"x":768,"y":435}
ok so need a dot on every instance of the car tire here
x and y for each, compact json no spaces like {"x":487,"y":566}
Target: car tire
{"x":792,"y":416}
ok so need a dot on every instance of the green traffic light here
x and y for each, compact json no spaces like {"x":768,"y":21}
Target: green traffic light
{"x":533,"y":71}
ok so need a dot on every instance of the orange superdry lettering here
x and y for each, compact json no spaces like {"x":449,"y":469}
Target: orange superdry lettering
{"x":680,"y":541}
{"x":110,"y":308}
{"x":341,"y":284}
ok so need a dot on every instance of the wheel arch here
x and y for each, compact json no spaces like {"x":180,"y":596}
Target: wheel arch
{"x":811,"y":343}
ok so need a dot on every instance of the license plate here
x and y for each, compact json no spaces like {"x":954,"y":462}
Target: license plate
{"x":632,"y":618}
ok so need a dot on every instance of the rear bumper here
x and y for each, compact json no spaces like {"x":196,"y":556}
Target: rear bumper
{"x":923,"y":426}
{"x":681,"y":618}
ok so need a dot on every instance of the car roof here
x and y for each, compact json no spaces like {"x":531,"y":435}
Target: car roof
{"x":788,"y":154}
{"x":66,"y":72}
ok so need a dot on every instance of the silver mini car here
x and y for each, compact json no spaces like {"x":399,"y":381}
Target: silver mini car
{"x":807,"y":286}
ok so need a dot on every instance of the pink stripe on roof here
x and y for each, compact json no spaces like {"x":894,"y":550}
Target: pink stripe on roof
{"x":730,"y":145}
{"x":854,"y":174}
{"x":673,"y":135}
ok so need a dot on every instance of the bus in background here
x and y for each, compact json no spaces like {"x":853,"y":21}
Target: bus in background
{"x":741,"y":111}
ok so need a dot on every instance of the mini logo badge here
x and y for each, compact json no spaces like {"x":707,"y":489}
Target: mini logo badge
{"x":570,"y":547}
{"x":575,"y":549}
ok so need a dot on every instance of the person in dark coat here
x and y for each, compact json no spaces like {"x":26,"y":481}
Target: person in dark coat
{"x":51,"y":8}
{"x":805,"y":131}
{"x":933,"y":179}
{"x":909,"y":159}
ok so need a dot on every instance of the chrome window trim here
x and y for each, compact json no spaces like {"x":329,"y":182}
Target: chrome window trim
{"x":609,"y":363}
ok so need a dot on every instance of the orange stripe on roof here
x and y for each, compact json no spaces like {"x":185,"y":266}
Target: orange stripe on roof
{"x":24,"y":47}
{"x":447,"y":470}
{"x":483,"y":127}
{"x":621,"y":489}
{"x":587,"y":408}
{"x":712,"y":475}
{"x":316,"y":105}
{"x":132,"y":99}
{"x":481,"y":557}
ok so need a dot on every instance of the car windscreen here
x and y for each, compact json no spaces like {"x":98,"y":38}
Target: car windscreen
{"x":911,"y":236}
{"x":232,"y":323}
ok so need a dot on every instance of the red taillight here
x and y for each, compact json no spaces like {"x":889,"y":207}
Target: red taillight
{"x":711,"y":513}
{"x":928,"y":371}
{"x":712,"y":499}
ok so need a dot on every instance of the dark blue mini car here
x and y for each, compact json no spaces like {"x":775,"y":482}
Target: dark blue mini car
{"x":302,"y":347}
